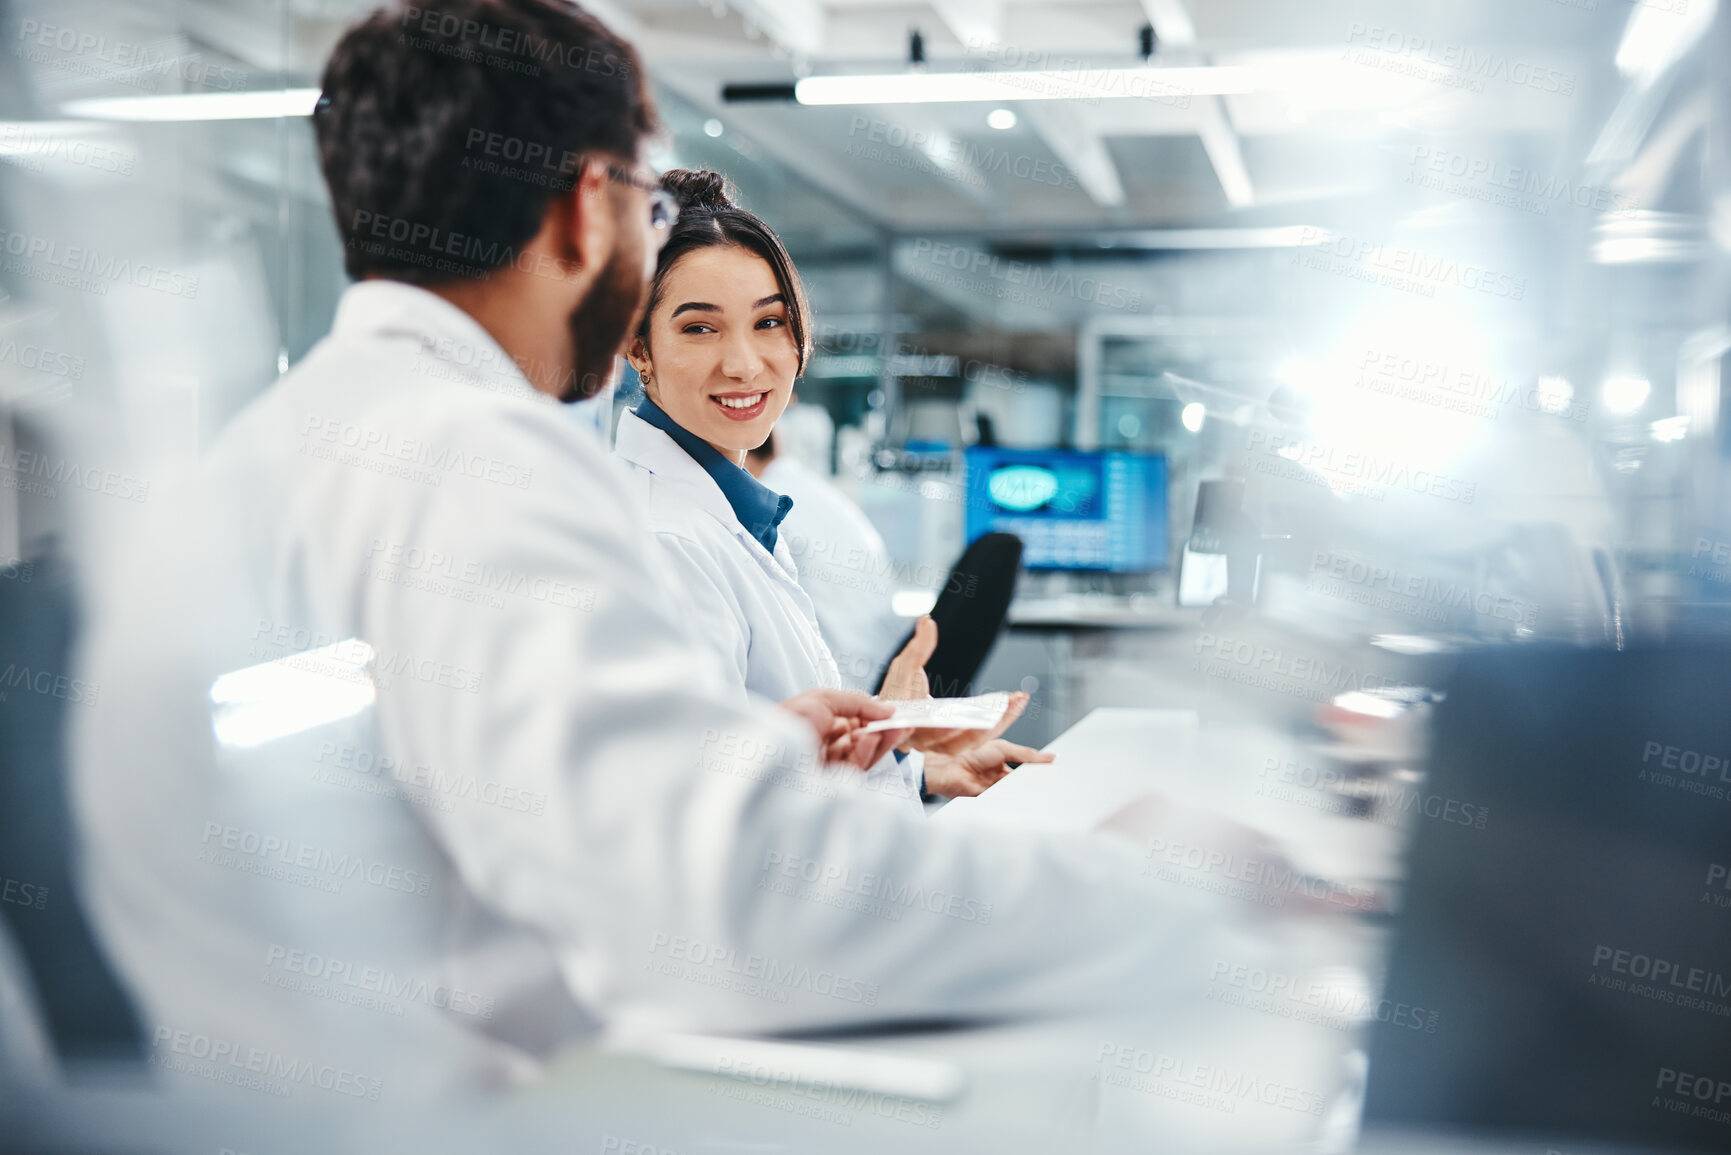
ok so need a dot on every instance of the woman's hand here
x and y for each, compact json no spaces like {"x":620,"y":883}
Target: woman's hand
{"x":972,"y":771}
{"x":960,"y":741}
{"x":905,"y":680}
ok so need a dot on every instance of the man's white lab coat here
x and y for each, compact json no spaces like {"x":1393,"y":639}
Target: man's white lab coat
{"x":744,"y":602}
{"x":845,"y":568}
{"x":508,"y":800}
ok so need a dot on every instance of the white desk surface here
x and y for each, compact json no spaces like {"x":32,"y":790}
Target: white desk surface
{"x":1114,"y":755}
{"x":1042,"y":1086}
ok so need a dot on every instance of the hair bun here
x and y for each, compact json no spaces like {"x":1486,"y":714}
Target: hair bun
{"x":697,"y":188}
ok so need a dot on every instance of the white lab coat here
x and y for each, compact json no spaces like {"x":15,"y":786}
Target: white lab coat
{"x":553,"y":816}
{"x":745,"y":602}
{"x":845,"y":568}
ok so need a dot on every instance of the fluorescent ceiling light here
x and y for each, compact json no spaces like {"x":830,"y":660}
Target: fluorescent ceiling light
{"x":1415,"y":644}
{"x":198,"y":106}
{"x":1311,"y":81}
{"x":27,"y":137}
{"x":1153,"y":84}
{"x":68,"y":146}
{"x":1274,"y":237}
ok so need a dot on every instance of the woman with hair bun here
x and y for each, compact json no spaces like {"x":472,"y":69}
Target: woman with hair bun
{"x":725,"y":335}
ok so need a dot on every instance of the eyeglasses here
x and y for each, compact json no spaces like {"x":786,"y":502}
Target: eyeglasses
{"x":663,"y":205}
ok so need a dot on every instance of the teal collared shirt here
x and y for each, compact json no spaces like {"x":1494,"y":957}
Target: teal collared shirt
{"x":759,"y":508}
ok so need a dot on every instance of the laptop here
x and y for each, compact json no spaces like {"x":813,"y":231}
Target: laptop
{"x":1566,"y":969}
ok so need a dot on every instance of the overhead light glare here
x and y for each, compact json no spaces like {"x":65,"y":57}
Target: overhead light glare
{"x":1300,"y":374}
{"x":1660,"y":34}
{"x":1626,"y":395}
{"x":1670,"y":429}
{"x":1002,"y":119}
{"x":272,"y":700}
{"x":1555,"y":395}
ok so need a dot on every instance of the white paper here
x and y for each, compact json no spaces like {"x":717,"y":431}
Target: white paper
{"x":982,"y":712}
{"x":897,"y":1076}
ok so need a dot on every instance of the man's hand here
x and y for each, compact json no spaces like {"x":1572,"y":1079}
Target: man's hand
{"x":836,"y":716}
{"x":972,"y":771}
{"x":1156,"y":819}
{"x":1192,"y":838}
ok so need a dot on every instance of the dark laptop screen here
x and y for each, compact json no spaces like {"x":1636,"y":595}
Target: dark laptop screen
{"x":1578,"y":948}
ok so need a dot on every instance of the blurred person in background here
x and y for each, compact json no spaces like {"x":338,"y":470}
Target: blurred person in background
{"x":400,"y":710}
{"x":843,"y":563}
{"x":724,"y":337}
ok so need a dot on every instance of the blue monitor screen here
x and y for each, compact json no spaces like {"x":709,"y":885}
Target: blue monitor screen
{"x":1072,"y":510}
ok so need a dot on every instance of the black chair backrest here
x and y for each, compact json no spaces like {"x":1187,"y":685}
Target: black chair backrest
{"x":970,"y":613}
{"x":88,"y":1014}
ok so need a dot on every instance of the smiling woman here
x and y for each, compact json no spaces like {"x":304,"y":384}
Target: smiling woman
{"x":724,"y":359}
{"x":727,"y":328}
{"x":723,"y":339}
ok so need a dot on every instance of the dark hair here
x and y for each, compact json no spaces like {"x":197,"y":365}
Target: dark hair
{"x":446,"y":129}
{"x":707,"y":218}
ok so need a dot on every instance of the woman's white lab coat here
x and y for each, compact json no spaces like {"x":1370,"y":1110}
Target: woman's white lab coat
{"x":739,"y":597}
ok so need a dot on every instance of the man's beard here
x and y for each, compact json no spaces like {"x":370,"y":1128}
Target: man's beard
{"x":600,"y":323}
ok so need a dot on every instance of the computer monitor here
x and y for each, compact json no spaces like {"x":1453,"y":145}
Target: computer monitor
{"x":1072,"y":510}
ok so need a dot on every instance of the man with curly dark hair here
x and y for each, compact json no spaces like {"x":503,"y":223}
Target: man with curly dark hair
{"x":482,"y":149}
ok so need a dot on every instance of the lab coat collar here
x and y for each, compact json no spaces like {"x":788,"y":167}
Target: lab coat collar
{"x":464,"y":352}
{"x":759,"y":509}
{"x":641,"y":444}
